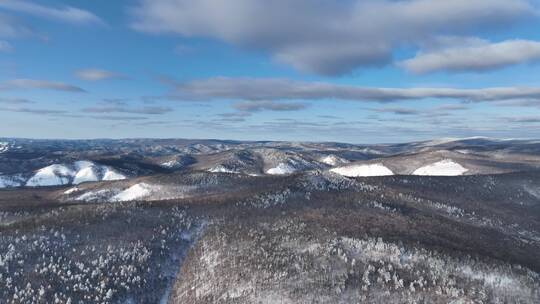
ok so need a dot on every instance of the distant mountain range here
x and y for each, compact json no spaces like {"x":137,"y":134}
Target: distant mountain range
{"x":26,"y":162}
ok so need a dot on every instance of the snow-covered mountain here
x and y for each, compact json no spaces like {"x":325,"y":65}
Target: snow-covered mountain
{"x":284,"y":162}
{"x":179,"y":161}
{"x":363,"y":170}
{"x":51,"y":163}
{"x":222,"y":169}
{"x":333,"y":160}
{"x":76,"y":173}
{"x":283,"y":169}
{"x":63,"y":174}
{"x":265,"y":222}
{"x":445,"y":167}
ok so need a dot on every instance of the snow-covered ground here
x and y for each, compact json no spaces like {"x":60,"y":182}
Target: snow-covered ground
{"x":222,"y":169}
{"x":76,"y":173}
{"x":445,"y":167}
{"x":363,"y":170}
{"x":170,"y":164}
{"x":281,"y":169}
{"x":87,"y":172}
{"x":10,"y":181}
{"x":135,"y":192}
{"x":141,"y":191}
{"x":52,"y":175}
{"x":4,"y":146}
{"x":177,"y":162}
{"x":333,"y":160}
{"x":96,"y":196}
{"x":112,"y":175}
{"x":71,"y":190}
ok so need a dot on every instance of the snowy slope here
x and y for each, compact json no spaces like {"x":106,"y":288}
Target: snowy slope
{"x":363,"y":170}
{"x":222,"y":169}
{"x":112,"y":175}
{"x":134,"y":192}
{"x":141,"y":191}
{"x":52,"y":175}
{"x":86,"y":172}
{"x":95,"y":196}
{"x":281,"y":169}
{"x":10,"y":181}
{"x":71,"y":190}
{"x":4,"y":146}
{"x":76,"y":173}
{"x":445,"y":167}
{"x":333,"y":160}
{"x":170,"y":164}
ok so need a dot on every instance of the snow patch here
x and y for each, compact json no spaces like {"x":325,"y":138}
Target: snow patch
{"x":71,"y":190}
{"x":532,"y":191}
{"x":170,"y":164}
{"x":333,"y":160}
{"x":281,"y":169}
{"x":134,"y":192}
{"x":363,"y":170}
{"x":141,"y":191}
{"x":76,"y":173}
{"x":445,"y":167}
{"x":222,"y":169}
{"x":97,"y":196}
{"x":4,"y":146}
{"x":9,"y":181}
{"x":52,"y":175}
{"x":82,"y":164}
{"x":87,"y":174}
{"x":112,"y":175}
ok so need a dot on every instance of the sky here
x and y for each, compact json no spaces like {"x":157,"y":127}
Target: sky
{"x":359,"y":71}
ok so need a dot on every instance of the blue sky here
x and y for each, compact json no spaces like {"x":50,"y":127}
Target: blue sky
{"x":313,"y":70}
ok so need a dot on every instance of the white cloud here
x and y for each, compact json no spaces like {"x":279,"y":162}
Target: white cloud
{"x":96,"y":74}
{"x":260,"y":105}
{"x":118,"y":118}
{"x":32,"y":110}
{"x":5,"y":46}
{"x":529,"y":103}
{"x":24,"y":83}
{"x":438,"y":43}
{"x":524,"y":119}
{"x":326,"y":37}
{"x":66,"y":14}
{"x":398,"y":111}
{"x":252,"y":89}
{"x":478,"y":57}
{"x":12,"y":28}
{"x":120,"y":109}
{"x":14,"y":100}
